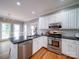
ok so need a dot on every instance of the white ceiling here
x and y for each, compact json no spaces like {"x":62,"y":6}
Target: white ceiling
{"x":24,"y":12}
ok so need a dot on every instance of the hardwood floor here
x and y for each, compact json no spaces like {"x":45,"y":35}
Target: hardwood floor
{"x":43,"y":53}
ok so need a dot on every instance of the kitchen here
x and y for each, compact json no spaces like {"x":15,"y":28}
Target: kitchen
{"x":56,"y":30}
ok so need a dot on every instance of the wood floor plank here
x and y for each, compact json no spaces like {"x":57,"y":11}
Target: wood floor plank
{"x":46,"y":54}
{"x":40,"y":54}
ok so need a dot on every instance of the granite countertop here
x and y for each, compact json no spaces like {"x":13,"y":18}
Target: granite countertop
{"x":21,"y":39}
{"x":71,"y":38}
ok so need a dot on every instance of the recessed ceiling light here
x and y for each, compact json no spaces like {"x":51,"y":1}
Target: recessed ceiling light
{"x":33,"y":12}
{"x":62,"y":0}
{"x":18,"y":3}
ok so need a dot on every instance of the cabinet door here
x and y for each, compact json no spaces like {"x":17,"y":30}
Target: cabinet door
{"x":46,"y":22}
{"x":72,"y":18}
{"x":77,"y":18}
{"x":65,"y":22}
{"x":77,"y":51}
{"x":77,"y":48}
{"x":44,"y":41}
{"x":69,"y":19}
{"x":69,"y":47}
{"x":40,"y":42}
{"x":35,"y":45}
{"x":72,"y":50}
{"x":52,"y":19}
{"x":43,"y":23}
{"x":64,"y":47}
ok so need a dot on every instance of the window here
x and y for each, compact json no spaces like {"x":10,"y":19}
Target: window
{"x":6,"y":30}
{"x":33,"y":29}
{"x":25,"y":31}
{"x":16,"y":28}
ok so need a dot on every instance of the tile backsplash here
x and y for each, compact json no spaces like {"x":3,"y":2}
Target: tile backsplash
{"x":42,"y":31}
{"x":72,"y":33}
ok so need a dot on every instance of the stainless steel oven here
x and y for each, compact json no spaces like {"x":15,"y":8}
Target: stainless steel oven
{"x":54,"y":37}
{"x":54,"y":44}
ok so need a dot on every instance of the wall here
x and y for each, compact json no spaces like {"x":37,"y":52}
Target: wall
{"x":72,"y":33}
{"x":33,"y":22}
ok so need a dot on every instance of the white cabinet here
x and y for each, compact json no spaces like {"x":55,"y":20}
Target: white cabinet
{"x":77,"y":46}
{"x":61,"y":17}
{"x":72,"y":18}
{"x":77,"y":50}
{"x":69,"y":19}
{"x":64,"y":47}
{"x":64,"y":21}
{"x":45,"y":41}
{"x":43,"y":23}
{"x":35,"y":46}
{"x":39,"y":43}
{"x":55,"y":18}
{"x":77,"y":18}
{"x":70,"y":48}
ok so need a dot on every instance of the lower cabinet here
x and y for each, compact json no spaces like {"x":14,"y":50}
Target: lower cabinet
{"x":64,"y":47}
{"x":21,"y":50}
{"x":70,"y":48}
{"x":25,"y":50}
{"x":39,"y":43}
{"x":78,"y":51}
{"x":35,"y":46}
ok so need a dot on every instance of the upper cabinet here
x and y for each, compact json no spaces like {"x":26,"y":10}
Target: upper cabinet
{"x":43,"y":23}
{"x":69,"y":19}
{"x":72,"y":17}
{"x":77,"y":18}
{"x":52,"y":19}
